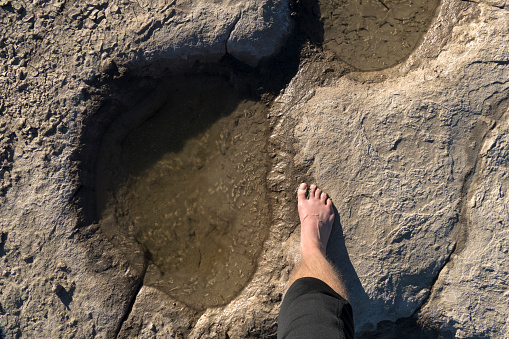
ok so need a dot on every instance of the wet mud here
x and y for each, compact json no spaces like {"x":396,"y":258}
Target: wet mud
{"x":188,"y":182}
{"x":375,"y":34}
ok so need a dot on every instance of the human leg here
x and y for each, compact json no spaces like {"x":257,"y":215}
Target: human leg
{"x":315,"y":304}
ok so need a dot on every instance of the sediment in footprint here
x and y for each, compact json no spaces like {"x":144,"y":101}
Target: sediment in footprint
{"x":189,"y":185}
{"x":375,"y":34}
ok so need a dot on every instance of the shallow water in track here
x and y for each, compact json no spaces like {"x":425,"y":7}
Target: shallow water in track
{"x":375,"y":34}
{"x":189,"y":185}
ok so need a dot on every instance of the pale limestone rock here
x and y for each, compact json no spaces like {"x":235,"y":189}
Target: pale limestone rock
{"x":397,"y":156}
{"x":470,"y":296}
{"x":261,"y":26}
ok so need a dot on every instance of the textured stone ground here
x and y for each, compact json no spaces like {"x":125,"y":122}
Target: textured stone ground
{"x":414,"y":158}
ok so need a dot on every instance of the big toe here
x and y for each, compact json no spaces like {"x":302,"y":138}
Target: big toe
{"x":301,"y":192}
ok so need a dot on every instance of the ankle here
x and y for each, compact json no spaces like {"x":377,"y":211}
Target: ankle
{"x":311,"y":251}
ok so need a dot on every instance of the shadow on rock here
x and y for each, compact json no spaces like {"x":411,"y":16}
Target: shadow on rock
{"x":64,"y":295}
{"x":275,"y":73}
{"x":338,"y":254}
{"x":404,"y":327}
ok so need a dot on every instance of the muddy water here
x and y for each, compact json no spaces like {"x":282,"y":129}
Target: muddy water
{"x":375,"y":34}
{"x":189,"y":185}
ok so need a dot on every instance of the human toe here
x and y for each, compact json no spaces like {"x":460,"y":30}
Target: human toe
{"x":301,"y":192}
{"x":312,"y":190}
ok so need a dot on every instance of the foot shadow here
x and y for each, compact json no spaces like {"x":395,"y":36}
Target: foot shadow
{"x":359,"y":299}
{"x":338,"y":255}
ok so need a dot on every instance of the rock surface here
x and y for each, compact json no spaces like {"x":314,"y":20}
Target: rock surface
{"x":54,"y":282}
{"x":261,"y":26}
{"x":404,"y":158}
{"x":414,"y":158}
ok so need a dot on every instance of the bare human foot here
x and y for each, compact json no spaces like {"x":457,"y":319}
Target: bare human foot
{"x":316,"y":218}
